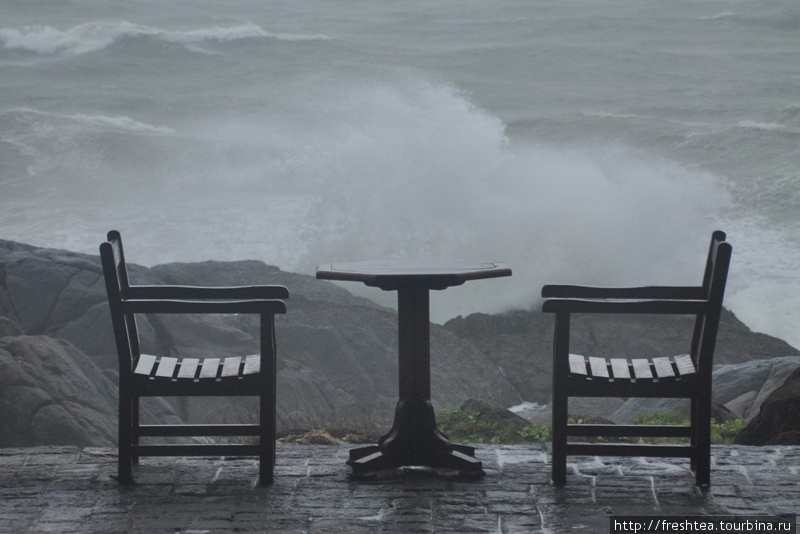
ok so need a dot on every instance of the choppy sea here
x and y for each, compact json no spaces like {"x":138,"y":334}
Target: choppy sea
{"x":578,"y":141}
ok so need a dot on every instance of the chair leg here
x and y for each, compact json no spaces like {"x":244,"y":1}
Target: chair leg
{"x":559,"y":430}
{"x":124,"y":459}
{"x":135,"y":411}
{"x":560,"y":397}
{"x":266,"y":457}
{"x":693,"y":424}
{"x":702,"y":468}
{"x":268,"y":400}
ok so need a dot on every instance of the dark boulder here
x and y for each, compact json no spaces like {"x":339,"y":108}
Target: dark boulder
{"x":722,"y":414}
{"x":785,"y":438}
{"x":52,"y":394}
{"x":778,"y":421}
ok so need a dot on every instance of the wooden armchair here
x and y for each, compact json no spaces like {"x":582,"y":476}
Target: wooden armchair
{"x":686,"y":376}
{"x":145,"y":375}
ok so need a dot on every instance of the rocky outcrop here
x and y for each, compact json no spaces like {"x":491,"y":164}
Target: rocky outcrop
{"x":9,"y":328}
{"x":743,"y":388}
{"x":740,"y":388}
{"x":521,"y":343}
{"x":58,"y":294}
{"x":52,"y":394}
{"x":778,"y":420}
{"x":337,"y":352}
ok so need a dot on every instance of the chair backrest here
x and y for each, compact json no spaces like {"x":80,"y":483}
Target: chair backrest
{"x":714,"y":281}
{"x":117,"y":287}
{"x":716,"y":238}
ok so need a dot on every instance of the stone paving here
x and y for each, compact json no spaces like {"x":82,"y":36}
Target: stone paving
{"x":69,"y":490}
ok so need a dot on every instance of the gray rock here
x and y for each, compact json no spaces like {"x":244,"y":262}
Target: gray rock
{"x":778,"y":420}
{"x":741,"y":388}
{"x":721,"y":414}
{"x":9,"y":328}
{"x":490,"y":412}
{"x":337,"y":352}
{"x":734,"y":385}
{"x":521,"y":344}
{"x":52,"y":394}
{"x":58,"y":294}
{"x":742,"y":404}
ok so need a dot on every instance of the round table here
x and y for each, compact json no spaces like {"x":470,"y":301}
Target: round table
{"x":414,"y":439}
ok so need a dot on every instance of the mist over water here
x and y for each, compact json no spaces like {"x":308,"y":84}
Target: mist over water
{"x":419,"y":172}
{"x":393,"y":170}
{"x":302,"y":136}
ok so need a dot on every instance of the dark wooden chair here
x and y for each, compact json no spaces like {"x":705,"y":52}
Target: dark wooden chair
{"x":687,"y":376}
{"x":145,"y":375}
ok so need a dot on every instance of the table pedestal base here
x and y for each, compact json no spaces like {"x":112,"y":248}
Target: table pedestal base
{"x":414,"y":440}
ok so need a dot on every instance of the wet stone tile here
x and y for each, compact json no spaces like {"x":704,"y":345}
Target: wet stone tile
{"x":219,"y":495}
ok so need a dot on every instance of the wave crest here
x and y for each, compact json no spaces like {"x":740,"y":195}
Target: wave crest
{"x":95,"y":36}
{"x":46,"y":123}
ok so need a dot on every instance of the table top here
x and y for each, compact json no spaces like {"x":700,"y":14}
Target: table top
{"x":392,"y":274}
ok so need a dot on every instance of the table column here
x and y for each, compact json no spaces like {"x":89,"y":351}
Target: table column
{"x":413,"y":316}
{"x":414,"y":438}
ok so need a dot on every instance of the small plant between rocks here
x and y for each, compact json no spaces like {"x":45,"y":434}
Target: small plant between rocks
{"x":468,"y":426}
{"x":465,"y":426}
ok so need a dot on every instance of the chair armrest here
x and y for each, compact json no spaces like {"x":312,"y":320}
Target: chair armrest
{"x":646,"y":292}
{"x":207,"y":293}
{"x":677,"y":307}
{"x":209,"y":306}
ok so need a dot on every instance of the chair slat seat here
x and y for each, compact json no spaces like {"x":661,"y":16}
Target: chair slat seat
{"x":620,"y":369}
{"x":252,"y":365}
{"x":148,"y":375}
{"x":166,"y":367}
{"x":210,"y":368}
{"x":188,"y":368}
{"x":145,"y":365}
{"x":685,"y":365}
{"x":663,"y":367}
{"x":686,"y":376}
{"x":577,"y":365}
{"x":598,"y":366}
{"x":231,"y":367}
{"x":641,"y":369}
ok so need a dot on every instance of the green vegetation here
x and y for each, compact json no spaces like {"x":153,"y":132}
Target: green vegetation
{"x":536,"y":433}
{"x":721,"y":433}
{"x":468,"y":427}
{"x":725,"y":433}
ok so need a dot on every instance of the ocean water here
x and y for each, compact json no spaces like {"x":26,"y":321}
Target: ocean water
{"x":578,"y":141}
